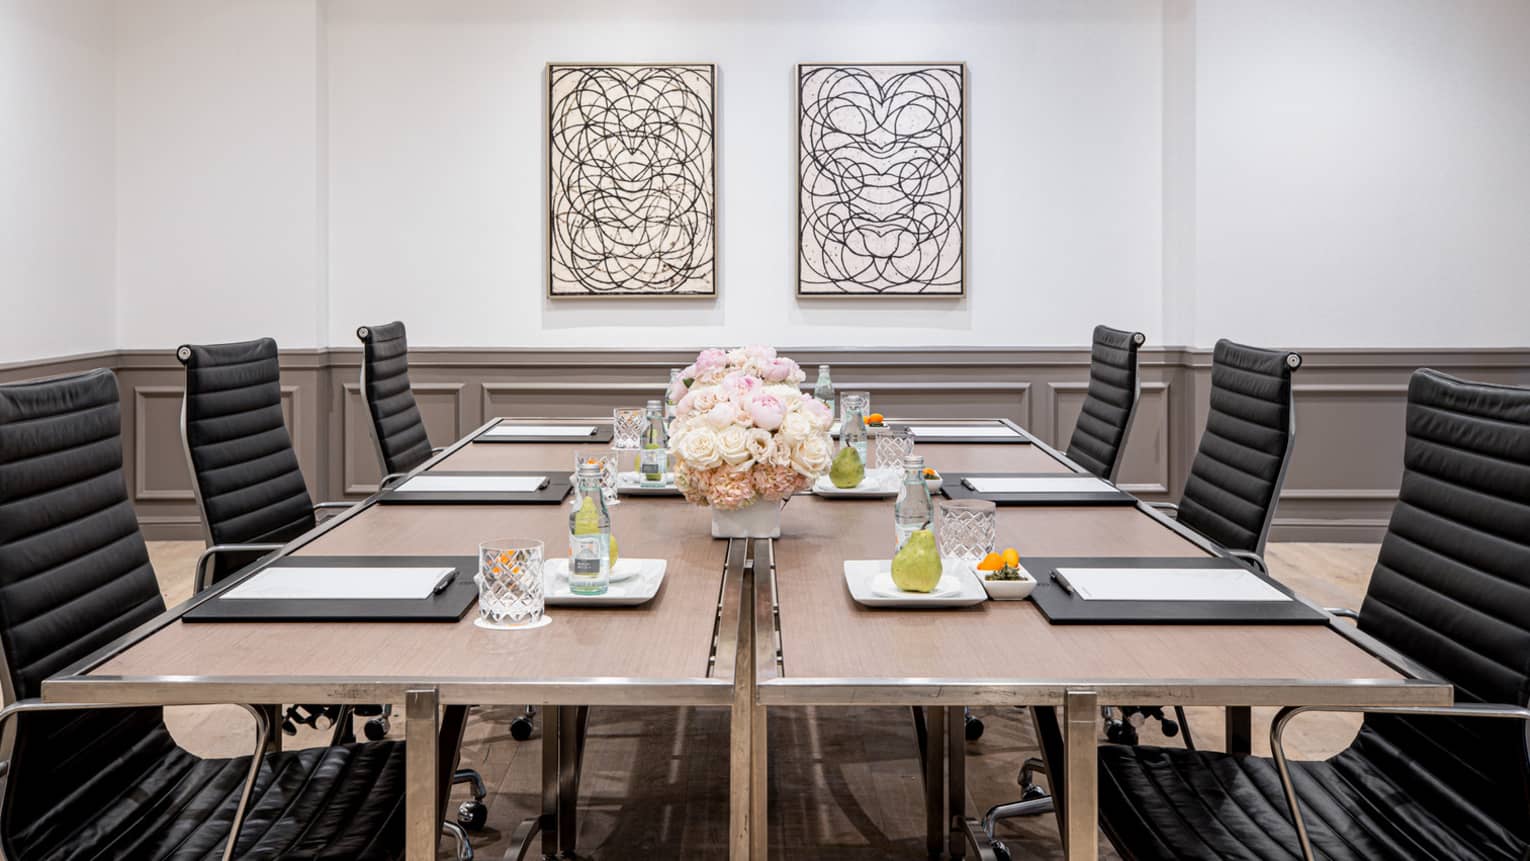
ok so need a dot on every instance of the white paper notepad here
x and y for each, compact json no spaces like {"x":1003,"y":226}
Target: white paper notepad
{"x":963,"y":431}
{"x":1038,"y":484}
{"x":473,"y":483}
{"x":1168,"y":584}
{"x":570,"y":431}
{"x":346,"y":583}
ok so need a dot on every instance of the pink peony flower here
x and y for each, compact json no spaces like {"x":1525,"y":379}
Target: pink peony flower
{"x":689,"y":372}
{"x":766,"y":411}
{"x":677,"y":390}
{"x":711,"y":360}
{"x":740,"y":383}
{"x":684,"y":406}
{"x":779,"y":370}
{"x":722,"y":415}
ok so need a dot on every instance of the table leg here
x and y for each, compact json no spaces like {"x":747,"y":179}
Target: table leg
{"x":551,"y":741}
{"x":422,"y":817}
{"x":569,"y":744}
{"x":956,"y":779}
{"x":1080,"y":714}
{"x":936,"y":824}
{"x":1240,"y":729}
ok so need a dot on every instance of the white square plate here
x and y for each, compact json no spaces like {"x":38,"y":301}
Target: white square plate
{"x":633,"y":582}
{"x":631,"y":484}
{"x":877,"y":483}
{"x":870,"y":583}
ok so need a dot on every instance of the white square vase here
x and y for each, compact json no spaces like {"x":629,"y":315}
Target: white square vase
{"x":757,"y":520}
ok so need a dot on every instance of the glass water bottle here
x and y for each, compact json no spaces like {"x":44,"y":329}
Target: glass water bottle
{"x":852,"y":429}
{"x":589,"y":535}
{"x":912,"y":511}
{"x":669,"y":400}
{"x":823,"y":390}
{"x":653,"y":460}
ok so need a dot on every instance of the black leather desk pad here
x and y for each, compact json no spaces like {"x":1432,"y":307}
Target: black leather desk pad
{"x":557,"y":488}
{"x":1015,"y":438}
{"x":951,"y":485}
{"x":1062,"y":607}
{"x":448,"y":606}
{"x":602,"y":434}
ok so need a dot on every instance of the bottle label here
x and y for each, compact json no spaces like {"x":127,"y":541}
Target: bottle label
{"x":652,"y":463}
{"x":584,"y":555}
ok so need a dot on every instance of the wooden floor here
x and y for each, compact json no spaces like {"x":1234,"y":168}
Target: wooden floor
{"x":844,"y":782}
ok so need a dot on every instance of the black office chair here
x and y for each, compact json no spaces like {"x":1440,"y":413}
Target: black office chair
{"x":103,"y":782}
{"x":1451,"y":592}
{"x":1110,"y":404}
{"x":253,"y":500}
{"x":396,"y":426}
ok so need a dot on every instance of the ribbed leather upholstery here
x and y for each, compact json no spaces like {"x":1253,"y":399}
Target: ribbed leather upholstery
{"x":1451,"y":590}
{"x":1237,"y":472}
{"x":246,"y":470}
{"x":1100,"y":433}
{"x":111,"y":783}
{"x":396,"y":421}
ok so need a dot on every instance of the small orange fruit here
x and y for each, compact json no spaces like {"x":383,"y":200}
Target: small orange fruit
{"x":929,"y":473}
{"x":991,"y":562}
{"x":875,"y":419}
{"x":1011,"y":557}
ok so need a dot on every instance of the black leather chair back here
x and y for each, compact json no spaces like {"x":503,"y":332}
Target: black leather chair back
{"x":74,"y":575}
{"x":1238,"y":470}
{"x":246,"y":472}
{"x":396,"y":423}
{"x":1099,"y":436}
{"x":1451,"y":589}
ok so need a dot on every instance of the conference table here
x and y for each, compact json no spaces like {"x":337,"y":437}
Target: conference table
{"x":746,"y":626}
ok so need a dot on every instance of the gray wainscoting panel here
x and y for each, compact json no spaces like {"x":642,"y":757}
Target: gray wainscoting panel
{"x":1342,"y":484}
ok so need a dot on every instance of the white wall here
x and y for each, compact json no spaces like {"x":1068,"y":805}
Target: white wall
{"x":56,"y":216}
{"x":1363,"y":172}
{"x":437,"y":125}
{"x":220,"y":165}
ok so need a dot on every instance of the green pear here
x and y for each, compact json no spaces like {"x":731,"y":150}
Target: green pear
{"x":587,"y":518}
{"x":847,"y":470}
{"x":916,"y":567}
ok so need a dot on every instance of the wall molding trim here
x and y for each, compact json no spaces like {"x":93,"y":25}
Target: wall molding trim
{"x":1341,"y":487}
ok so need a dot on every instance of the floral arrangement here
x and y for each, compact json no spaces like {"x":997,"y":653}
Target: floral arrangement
{"x":743,"y":431}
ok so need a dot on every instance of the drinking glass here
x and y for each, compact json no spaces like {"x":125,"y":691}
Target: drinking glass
{"x":865,"y":404}
{"x":891,"y":445}
{"x":510,"y":588}
{"x":965,"y":528}
{"x":627,"y":427}
{"x":607,"y":461}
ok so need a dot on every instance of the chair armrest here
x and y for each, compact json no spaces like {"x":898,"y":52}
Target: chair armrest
{"x":204,"y":571}
{"x":1278,"y":729}
{"x":323,"y":506}
{"x":437,"y":450}
{"x":1342,"y":612}
{"x":262,"y":738}
{"x":390,"y":478}
{"x":1165,"y":506}
{"x":1251,"y":558}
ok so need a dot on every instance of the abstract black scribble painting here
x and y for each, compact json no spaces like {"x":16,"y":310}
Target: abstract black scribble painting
{"x":631,"y":180}
{"x":881,"y":162}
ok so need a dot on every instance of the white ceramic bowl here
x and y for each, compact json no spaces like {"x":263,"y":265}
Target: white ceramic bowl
{"x":1008,"y":590}
{"x":934,"y":484}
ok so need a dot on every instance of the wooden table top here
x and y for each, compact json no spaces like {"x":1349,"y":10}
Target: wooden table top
{"x":670,"y":637}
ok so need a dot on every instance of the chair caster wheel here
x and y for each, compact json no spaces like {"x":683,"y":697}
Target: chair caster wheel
{"x":520,"y":728}
{"x":376,"y":729}
{"x":1170,"y":729}
{"x":472,"y":815}
{"x":1000,"y":851}
{"x":974,"y":728}
{"x":1032,"y":792}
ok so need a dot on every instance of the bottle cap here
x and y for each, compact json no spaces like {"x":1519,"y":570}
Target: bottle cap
{"x":654,"y":404}
{"x":913,"y":461}
{"x":589,"y":467}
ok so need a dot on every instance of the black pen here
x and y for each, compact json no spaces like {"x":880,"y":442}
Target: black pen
{"x":443,"y":583}
{"x":1061,"y":583}
{"x":967,"y":483}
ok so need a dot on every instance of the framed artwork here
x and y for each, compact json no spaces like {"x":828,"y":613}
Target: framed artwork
{"x":881,"y":172}
{"x":631,"y":180}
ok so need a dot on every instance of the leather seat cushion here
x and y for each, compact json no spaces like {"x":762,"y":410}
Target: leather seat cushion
{"x":343,"y":802}
{"x":1366,"y":803}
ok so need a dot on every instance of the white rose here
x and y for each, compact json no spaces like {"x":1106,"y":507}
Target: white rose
{"x":788,"y":395}
{"x":795,"y":426}
{"x":811,"y":456}
{"x":698,"y":448}
{"x":733,"y":445}
{"x":706,"y":399}
{"x":762,"y":446}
